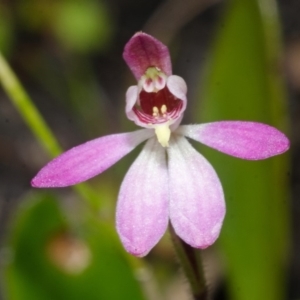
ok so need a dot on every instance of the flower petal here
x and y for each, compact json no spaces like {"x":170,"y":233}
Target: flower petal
{"x":89,"y":159}
{"x":143,"y":51}
{"x":131,"y":99}
{"x":247,"y":140}
{"x":142,"y":209}
{"x":177,"y":87}
{"x":197,"y":206}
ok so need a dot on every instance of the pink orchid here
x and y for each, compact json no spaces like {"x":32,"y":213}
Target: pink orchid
{"x":169,"y":179}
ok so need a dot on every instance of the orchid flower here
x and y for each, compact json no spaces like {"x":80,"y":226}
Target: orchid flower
{"x":169,"y":179}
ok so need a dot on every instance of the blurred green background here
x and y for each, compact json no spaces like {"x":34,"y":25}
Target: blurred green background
{"x":241,"y":61}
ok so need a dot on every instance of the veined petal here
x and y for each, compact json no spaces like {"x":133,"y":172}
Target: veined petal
{"x":89,"y":159}
{"x":197,"y":206}
{"x":144,"y":51}
{"x":142,"y":209}
{"x":247,"y":140}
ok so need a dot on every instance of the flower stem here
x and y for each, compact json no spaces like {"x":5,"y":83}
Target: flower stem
{"x":190,"y":260}
{"x":36,"y":123}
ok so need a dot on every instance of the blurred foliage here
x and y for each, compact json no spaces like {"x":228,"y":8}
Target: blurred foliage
{"x":80,"y":26}
{"x":83,"y":25}
{"x":53,"y":261}
{"x":243,"y":83}
{"x":6,"y":30}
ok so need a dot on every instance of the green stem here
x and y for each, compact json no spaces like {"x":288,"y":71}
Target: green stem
{"x":190,"y":260}
{"x":36,"y":123}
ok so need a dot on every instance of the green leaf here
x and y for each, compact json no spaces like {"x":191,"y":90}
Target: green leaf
{"x":244,"y":84}
{"x":53,"y":261}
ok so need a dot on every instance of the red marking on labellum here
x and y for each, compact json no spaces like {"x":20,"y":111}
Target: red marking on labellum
{"x":158,"y":99}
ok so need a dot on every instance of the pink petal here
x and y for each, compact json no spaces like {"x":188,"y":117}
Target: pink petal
{"x":142,"y":209}
{"x":177,"y":87}
{"x":131,"y":99}
{"x":247,"y":140}
{"x":143,"y":51}
{"x":89,"y":159}
{"x":197,"y":206}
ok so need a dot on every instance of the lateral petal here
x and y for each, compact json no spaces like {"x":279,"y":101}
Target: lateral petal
{"x":89,"y":159}
{"x":246,"y":140}
{"x":177,"y":87}
{"x":197,"y":206}
{"x":131,"y":100}
{"x":142,"y":208}
{"x":144,"y":51}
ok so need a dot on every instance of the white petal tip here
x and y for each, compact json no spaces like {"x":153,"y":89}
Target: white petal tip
{"x":134,"y":248}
